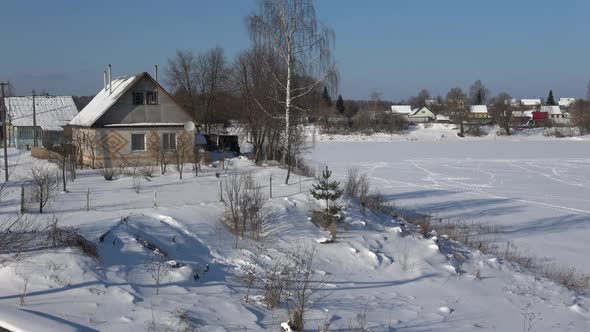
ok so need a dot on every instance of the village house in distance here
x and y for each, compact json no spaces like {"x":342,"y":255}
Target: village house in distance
{"x":130,"y":120}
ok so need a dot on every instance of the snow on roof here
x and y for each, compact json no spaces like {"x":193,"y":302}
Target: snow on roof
{"x":104,"y":100}
{"x":145,"y":124}
{"x":528,"y":113}
{"x":552,"y":109}
{"x":441,"y":117}
{"x":566,"y":102}
{"x":530,"y":102}
{"x":401,"y":109}
{"x":478,"y":109}
{"x":50,"y":112}
{"x":416,"y":110}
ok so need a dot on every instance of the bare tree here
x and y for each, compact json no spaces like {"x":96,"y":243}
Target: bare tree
{"x":252,"y":80}
{"x":211,"y":79}
{"x":291,"y":30}
{"x":158,"y":268}
{"x":502,"y":111}
{"x":184,"y":148}
{"x":458,"y":107}
{"x":478,"y":93}
{"x":303,"y":286}
{"x":43,"y":188}
{"x":581,"y":115}
{"x":161,"y":156}
{"x":91,"y":145}
{"x":420,"y":99}
{"x":181,"y":75}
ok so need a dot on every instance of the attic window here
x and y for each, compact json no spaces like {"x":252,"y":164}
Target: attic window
{"x":151,"y":97}
{"x":137,"y":98}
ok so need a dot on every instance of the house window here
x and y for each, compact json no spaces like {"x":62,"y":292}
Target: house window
{"x":137,"y":142}
{"x":151,"y":97}
{"x":137,"y":98}
{"x":169,"y":141}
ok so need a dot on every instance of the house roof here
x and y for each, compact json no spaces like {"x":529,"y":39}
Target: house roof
{"x":566,"y":102}
{"x":416,"y":110}
{"x":51,"y":113}
{"x":478,"y":109}
{"x":401,"y":109}
{"x":530,"y":102}
{"x":552,"y":109}
{"x":104,"y":100}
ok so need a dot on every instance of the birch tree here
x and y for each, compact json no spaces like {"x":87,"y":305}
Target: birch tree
{"x":290,"y":29}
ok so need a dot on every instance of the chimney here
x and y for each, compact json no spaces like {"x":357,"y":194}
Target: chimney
{"x":105,"y":81}
{"x":110,"y":80}
{"x":156,"y":72}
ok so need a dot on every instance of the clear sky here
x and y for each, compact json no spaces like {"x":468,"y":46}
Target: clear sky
{"x":394,"y":47}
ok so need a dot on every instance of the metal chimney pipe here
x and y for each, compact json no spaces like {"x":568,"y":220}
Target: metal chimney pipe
{"x":110,"y":80}
{"x":156,"y":72}
{"x":105,"y":80}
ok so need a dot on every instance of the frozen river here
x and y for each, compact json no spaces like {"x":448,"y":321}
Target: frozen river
{"x":539,"y":190}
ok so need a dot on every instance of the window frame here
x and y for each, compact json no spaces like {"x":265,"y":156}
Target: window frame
{"x":154,"y":100}
{"x":166,"y":140}
{"x":144,"y":142}
{"x":134,"y":95}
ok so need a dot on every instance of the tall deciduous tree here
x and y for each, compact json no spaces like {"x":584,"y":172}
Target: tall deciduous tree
{"x":420,"y":100}
{"x":182,"y":72}
{"x":211,"y":80}
{"x":502,"y":111}
{"x":457,"y":107}
{"x":291,"y":30}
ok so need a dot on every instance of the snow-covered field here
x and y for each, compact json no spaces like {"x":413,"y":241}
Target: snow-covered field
{"x":537,"y":188}
{"x":405,"y":283}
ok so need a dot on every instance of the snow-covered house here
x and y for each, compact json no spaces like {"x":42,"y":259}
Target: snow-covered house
{"x":556,"y":114}
{"x":566,"y":102}
{"x":401,"y":109}
{"x":45,"y":123}
{"x":478,"y":113}
{"x":129,"y":120}
{"x":530,"y":103}
{"x":421,"y":115}
{"x":440,"y":118}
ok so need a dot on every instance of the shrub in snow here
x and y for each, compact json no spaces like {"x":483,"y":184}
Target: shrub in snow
{"x":245,"y":206}
{"x":109,"y":173}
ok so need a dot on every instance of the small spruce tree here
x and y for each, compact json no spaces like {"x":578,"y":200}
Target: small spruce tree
{"x":327,"y":190}
{"x":326,"y":99}
{"x":550,"y":99}
{"x":340,"y":105}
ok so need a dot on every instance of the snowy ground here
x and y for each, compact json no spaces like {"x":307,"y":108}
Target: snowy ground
{"x":536,"y":187}
{"x":70,"y":292}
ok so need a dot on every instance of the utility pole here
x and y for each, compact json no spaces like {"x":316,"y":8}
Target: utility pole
{"x":3,"y":110}
{"x":34,"y":122}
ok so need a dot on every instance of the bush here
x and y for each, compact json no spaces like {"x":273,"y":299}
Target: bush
{"x":356,"y":184}
{"x":245,"y":206}
{"x":109,"y":173}
{"x":147,"y":171}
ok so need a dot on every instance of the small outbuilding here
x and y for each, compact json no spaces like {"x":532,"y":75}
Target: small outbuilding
{"x":38,"y":121}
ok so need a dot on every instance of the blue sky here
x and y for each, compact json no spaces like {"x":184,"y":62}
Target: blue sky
{"x":394,"y":47}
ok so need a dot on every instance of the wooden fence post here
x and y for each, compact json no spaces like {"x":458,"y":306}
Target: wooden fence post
{"x":220,"y":191}
{"x":22,"y":199}
{"x":270,"y":186}
{"x":88,"y":200}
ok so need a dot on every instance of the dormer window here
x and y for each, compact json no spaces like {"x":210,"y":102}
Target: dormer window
{"x":151,"y":97}
{"x":137,"y":98}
